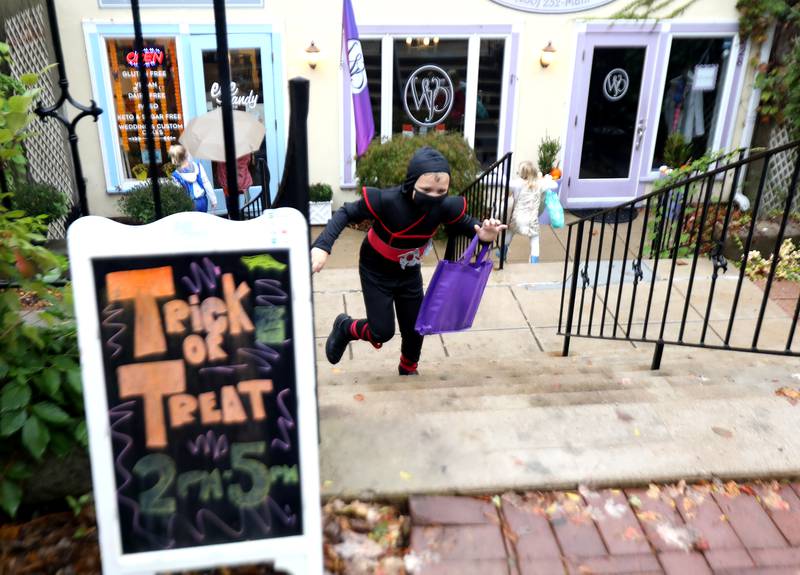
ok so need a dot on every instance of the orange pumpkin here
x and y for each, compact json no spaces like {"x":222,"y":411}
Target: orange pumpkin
{"x":556,"y":173}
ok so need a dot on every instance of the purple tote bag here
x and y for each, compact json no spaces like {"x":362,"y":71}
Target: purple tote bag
{"x":454,"y":293}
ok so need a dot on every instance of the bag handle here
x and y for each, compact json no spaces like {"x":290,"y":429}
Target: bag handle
{"x":467,"y":255}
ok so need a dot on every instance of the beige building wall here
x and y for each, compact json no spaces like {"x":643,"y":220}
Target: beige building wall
{"x":543,"y":95}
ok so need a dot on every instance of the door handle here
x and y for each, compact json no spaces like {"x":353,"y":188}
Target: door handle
{"x":640,"y":129}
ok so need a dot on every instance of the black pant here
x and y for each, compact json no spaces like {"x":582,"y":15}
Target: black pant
{"x":405,"y":292}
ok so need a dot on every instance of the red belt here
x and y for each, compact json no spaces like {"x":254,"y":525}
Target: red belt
{"x":402,"y":256}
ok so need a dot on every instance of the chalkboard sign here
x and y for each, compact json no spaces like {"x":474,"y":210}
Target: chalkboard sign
{"x":197,"y":354}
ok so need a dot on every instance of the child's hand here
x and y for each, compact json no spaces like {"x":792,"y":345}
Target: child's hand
{"x":490,"y":229}
{"x":318,"y":259}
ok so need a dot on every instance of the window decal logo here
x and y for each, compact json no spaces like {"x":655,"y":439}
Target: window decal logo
{"x":428,"y":96}
{"x":615,"y":86}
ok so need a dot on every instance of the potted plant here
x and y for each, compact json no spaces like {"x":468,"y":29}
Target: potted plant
{"x":319,"y":205}
{"x":549,"y":148}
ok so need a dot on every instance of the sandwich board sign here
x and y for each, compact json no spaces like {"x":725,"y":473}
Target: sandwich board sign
{"x":197,"y":350}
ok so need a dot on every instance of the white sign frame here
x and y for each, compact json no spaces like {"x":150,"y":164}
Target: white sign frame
{"x":185,"y":234}
{"x":553,"y":6}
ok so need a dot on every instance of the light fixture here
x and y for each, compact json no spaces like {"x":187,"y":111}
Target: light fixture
{"x":312,"y":55}
{"x":426,"y":41}
{"x":436,"y":40}
{"x":408,"y":41}
{"x":548,"y":55}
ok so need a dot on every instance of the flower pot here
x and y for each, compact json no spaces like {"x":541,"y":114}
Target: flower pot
{"x":319,"y":213}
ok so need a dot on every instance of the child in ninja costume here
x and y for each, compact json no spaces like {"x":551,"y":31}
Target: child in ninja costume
{"x":405,"y":219}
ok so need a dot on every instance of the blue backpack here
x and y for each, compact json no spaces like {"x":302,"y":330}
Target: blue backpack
{"x":176,"y":175}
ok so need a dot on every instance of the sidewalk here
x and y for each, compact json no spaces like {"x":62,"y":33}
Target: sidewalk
{"x":724,"y":528}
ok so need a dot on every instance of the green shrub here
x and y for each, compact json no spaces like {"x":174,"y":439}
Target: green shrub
{"x":320,"y":193}
{"x":548,"y":153}
{"x":41,"y":401}
{"x":40,"y":199}
{"x":385,"y":164}
{"x":138,"y":204}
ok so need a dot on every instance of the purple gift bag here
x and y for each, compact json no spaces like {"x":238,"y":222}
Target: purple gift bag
{"x":454,"y":293}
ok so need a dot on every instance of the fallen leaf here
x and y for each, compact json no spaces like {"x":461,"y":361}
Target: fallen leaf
{"x":683,"y":538}
{"x":573,"y":496}
{"x":649,"y":516}
{"x":721,"y":431}
{"x":632,"y":534}
{"x":747,"y":489}
{"x":790,"y":394}
{"x":624,"y":416}
{"x":634,"y":501}
{"x":688,"y":504}
{"x":405,"y":476}
{"x":654,"y":492}
{"x":723,"y":517}
{"x":358,"y":397}
{"x":497,"y":502}
{"x":732,"y":489}
{"x":774,"y":501}
{"x":613,"y":509}
{"x":587,"y":493}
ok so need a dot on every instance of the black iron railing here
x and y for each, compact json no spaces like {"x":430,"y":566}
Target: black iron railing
{"x":657,"y":269}
{"x":486,"y":197}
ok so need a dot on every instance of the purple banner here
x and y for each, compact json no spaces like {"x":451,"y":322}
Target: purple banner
{"x":365,"y":127}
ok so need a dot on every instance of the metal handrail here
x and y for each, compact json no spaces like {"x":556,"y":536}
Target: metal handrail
{"x":486,"y":196}
{"x":690,"y":219}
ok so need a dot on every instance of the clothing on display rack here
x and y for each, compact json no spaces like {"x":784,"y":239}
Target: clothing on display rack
{"x":683,"y":107}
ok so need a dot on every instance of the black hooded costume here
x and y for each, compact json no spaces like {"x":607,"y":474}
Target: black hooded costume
{"x":389,"y":262}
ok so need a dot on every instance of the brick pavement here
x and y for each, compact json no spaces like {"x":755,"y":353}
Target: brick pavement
{"x":723,"y":528}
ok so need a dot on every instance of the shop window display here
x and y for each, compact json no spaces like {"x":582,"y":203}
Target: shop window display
{"x":692,"y":93}
{"x":160,"y":61}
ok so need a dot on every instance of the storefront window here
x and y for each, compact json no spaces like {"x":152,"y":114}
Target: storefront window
{"x":490,"y":92}
{"x":160,"y":60}
{"x":247,"y":94}
{"x":430,"y":85}
{"x":692,"y":93}
{"x":372,"y":62}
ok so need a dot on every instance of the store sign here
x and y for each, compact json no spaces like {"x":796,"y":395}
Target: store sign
{"x":428,"y":96}
{"x":151,"y":57}
{"x":615,"y":86}
{"x":247,"y":102}
{"x":196,"y":344}
{"x":553,"y":6}
{"x":705,"y":77}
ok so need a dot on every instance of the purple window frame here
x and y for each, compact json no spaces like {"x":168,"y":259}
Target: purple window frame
{"x":348,"y":179}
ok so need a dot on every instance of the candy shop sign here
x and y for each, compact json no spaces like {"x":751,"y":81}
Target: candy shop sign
{"x":553,"y":6}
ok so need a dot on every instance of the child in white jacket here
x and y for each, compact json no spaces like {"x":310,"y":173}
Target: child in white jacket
{"x":193,"y":178}
{"x":524,"y":209}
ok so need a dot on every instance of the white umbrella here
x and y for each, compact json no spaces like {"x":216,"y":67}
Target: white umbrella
{"x":203,"y":136}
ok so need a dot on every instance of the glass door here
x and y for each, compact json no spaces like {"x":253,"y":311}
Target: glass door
{"x":253,"y":90}
{"x":609,"y":119}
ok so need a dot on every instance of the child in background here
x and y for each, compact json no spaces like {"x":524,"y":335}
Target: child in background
{"x":523,"y":208}
{"x":193,"y":178}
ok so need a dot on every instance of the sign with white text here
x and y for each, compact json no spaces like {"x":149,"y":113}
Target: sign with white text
{"x":553,"y":6}
{"x":201,"y":414}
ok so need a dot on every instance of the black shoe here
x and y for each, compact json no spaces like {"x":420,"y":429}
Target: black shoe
{"x":338,"y":338}
{"x":402,"y":371}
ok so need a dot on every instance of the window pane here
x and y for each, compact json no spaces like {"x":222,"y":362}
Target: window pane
{"x":160,"y":60}
{"x":247,"y":93}
{"x":490,"y":89}
{"x":372,"y":62}
{"x":430,"y":85}
{"x":613,"y":104}
{"x":691,"y":105}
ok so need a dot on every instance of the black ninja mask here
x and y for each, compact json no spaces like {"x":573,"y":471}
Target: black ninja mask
{"x":424,"y":160}
{"x":425,"y":202}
